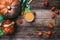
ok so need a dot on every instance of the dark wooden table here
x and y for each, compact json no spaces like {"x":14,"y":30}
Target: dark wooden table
{"x":28,"y":31}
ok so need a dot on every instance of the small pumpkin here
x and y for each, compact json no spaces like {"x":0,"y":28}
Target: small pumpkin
{"x":9,"y":8}
{"x":8,"y":26}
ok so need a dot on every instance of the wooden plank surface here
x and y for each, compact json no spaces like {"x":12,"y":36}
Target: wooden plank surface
{"x":42,"y":17}
{"x":28,"y":31}
{"x":38,"y":4}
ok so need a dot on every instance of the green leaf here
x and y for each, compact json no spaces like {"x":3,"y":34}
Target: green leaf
{"x":27,"y":9}
{"x":1,"y":32}
{"x":1,"y":17}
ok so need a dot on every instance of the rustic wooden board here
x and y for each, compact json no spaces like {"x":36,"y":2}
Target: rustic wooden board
{"x":28,"y":31}
{"x":38,"y":4}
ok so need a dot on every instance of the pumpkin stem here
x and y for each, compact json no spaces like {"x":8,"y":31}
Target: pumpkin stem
{"x":9,"y":8}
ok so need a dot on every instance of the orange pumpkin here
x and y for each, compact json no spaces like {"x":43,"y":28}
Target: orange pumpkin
{"x":8,"y":7}
{"x":8,"y":27}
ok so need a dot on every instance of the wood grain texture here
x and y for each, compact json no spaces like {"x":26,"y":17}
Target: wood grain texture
{"x":28,"y":31}
{"x":38,"y":4}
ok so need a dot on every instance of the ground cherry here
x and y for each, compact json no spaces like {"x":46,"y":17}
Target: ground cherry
{"x":57,"y":11}
{"x":53,"y":8}
{"x":49,"y":32}
{"x":51,"y":25}
{"x":53,"y":16}
{"x":20,"y":21}
{"x":40,"y":33}
{"x":47,"y":35}
{"x":46,"y":3}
